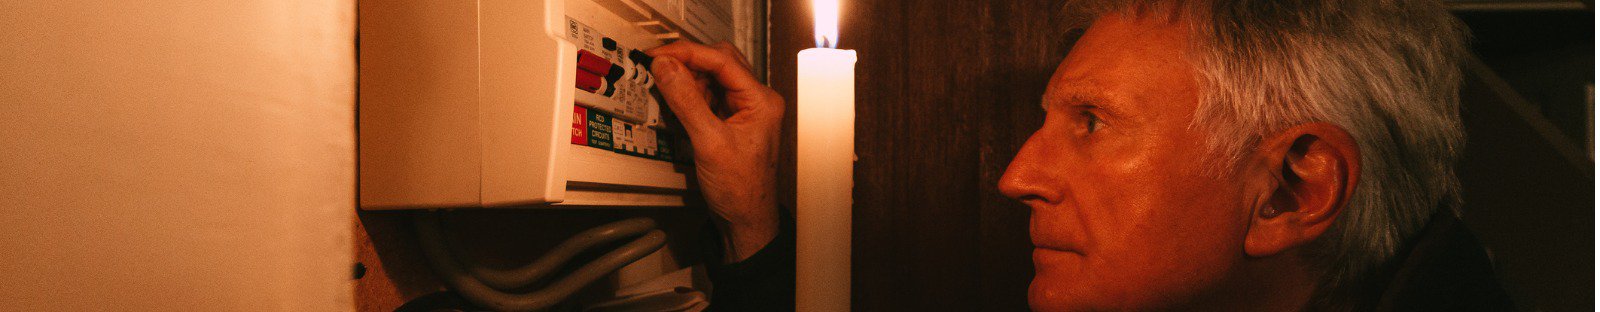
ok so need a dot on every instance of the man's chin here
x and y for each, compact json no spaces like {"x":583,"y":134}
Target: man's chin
{"x":1057,"y":281}
{"x":1051,"y":295}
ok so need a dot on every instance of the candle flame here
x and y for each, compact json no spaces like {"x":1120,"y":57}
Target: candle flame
{"x":825,"y":13}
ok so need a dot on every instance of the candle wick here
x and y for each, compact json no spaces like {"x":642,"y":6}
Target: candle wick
{"x":823,"y":42}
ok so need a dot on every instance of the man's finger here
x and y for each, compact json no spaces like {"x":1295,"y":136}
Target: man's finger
{"x":686,"y":97}
{"x":732,"y":51}
{"x":728,"y":70}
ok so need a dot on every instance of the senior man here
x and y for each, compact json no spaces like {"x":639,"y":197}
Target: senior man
{"x":1195,"y":155}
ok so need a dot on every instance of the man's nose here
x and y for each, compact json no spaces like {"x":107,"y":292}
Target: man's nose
{"x":1027,"y":179}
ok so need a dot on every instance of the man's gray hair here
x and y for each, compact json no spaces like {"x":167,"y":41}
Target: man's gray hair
{"x":1387,"y":71}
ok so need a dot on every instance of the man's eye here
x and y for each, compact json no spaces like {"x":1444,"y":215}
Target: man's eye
{"x":1091,"y":121}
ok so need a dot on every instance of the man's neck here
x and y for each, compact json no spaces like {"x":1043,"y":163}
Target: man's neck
{"x":1278,"y":283}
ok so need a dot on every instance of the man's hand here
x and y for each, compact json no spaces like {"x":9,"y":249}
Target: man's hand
{"x":735,"y":154}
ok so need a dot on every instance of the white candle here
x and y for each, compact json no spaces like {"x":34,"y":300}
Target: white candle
{"x":824,"y":178}
{"x":825,"y":174}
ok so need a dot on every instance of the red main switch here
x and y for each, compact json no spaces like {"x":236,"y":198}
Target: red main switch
{"x":592,"y":63}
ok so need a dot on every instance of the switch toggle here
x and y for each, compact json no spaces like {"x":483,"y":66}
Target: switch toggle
{"x":639,"y":57}
{"x":588,"y":81}
{"x":640,"y":68}
{"x":611,"y":78}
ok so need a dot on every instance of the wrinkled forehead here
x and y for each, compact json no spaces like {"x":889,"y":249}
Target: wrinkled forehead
{"x":1126,"y":58}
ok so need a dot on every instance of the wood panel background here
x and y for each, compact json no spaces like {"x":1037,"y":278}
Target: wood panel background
{"x":947,"y":91}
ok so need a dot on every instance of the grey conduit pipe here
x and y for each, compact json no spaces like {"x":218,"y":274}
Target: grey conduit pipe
{"x":451,"y":270}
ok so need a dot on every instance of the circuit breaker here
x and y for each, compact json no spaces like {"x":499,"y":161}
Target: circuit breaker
{"x":523,"y":103}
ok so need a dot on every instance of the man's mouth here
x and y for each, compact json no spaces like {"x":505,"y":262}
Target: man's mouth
{"x":1048,"y":259}
{"x":1054,"y":245}
{"x":1057,"y":249}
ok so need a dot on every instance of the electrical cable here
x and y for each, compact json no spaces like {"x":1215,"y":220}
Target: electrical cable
{"x":450,"y":268}
{"x":512,"y":279}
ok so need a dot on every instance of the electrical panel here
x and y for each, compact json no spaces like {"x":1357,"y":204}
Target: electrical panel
{"x":525,"y":103}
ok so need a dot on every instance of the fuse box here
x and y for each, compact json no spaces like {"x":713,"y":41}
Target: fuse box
{"x":525,"y":103}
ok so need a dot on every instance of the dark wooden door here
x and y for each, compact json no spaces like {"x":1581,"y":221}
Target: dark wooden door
{"x":946,"y":92}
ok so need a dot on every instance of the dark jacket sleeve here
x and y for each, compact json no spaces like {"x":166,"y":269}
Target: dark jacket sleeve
{"x":763,"y":282}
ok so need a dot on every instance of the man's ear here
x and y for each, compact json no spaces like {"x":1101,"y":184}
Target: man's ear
{"x":1316,"y":167}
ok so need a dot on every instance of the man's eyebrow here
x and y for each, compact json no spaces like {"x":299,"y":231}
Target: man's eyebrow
{"x":1077,"y":96}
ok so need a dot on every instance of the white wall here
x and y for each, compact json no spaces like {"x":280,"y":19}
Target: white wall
{"x":176,"y":155}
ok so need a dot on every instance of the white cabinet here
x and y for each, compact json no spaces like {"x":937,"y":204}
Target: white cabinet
{"x":493,"y":103}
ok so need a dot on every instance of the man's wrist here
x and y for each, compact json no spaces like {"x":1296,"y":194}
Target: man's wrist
{"x":745,"y":234}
